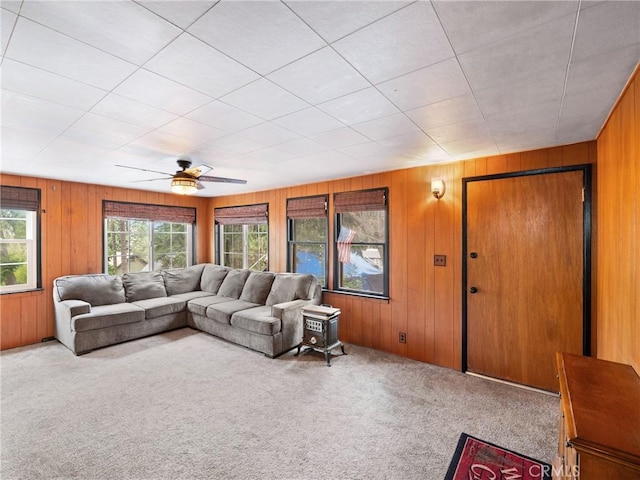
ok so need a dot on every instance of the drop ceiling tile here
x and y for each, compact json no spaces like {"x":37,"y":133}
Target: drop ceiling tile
{"x":152,"y":89}
{"x":11,"y":5}
{"x":165,"y":143}
{"x":182,"y":13}
{"x":122,"y":108}
{"x":260,"y":158}
{"x":334,"y":20}
{"x":101,"y":140}
{"x":367,"y":151}
{"x":191,"y":130}
{"x":225,"y":117}
{"x":64,"y":152}
{"x":99,"y":124}
{"x":459,"y":131}
{"x":475,"y":147}
{"x":386,"y":127}
{"x":577,"y":133}
{"x":20,"y":146}
{"x":542,"y":49}
{"x":428,"y":85}
{"x":236,"y":144}
{"x":616,"y":25}
{"x":447,"y":112}
{"x":195,"y":64}
{"x":473,"y":24}
{"x":113,"y":27}
{"x":300,"y":147}
{"x":320,"y":76}
{"x":531,"y":117}
{"x":41,"y":47}
{"x":7,"y":20}
{"x":359,"y":107}
{"x":32,"y":81}
{"x":407,"y":40}
{"x":271,"y":34}
{"x":309,"y":121}
{"x":30,"y":114}
{"x":407,"y":142}
{"x":340,"y":137}
{"x":520,"y":142}
{"x":269,"y":134}
{"x":264,"y":99}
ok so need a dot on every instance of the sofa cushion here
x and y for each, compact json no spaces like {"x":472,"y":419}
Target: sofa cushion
{"x":258,"y":320}
{"x":182,"y":280}
{"x":191,"y":295}
{"x":143,"y":285}
{"x":257,"y":287}
{"x":157,"y":307}
{"x":199,"y":305}
{"x":221,"y":312}
{"x":290,"y":286}
{"x":212,"y":277}
{"x":233,"y":283}
{"x":104,"y":316}
{"x":94,"y":289}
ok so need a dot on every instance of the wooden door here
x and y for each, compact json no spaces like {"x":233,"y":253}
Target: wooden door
{"x":524,"y":275}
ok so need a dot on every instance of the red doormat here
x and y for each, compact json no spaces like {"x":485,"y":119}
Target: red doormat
{"x":476,"y":459}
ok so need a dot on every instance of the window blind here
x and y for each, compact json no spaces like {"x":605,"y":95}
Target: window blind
{"x":244,"y":215}
{"x":19,"y":198}
{"x":360,"y":201}
{"x":307,"y":207}
{"x":141,"y":211}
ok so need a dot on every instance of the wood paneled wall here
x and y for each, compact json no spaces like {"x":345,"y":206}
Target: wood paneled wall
{"x":425,"y":301}
{"x":71,"y":238}
{"x":618,"y":245}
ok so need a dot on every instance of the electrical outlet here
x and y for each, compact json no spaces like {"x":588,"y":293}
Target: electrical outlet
{"x":402,"y":338}
{"x":440,"y":260}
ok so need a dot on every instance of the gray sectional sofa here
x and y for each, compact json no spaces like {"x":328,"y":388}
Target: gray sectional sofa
{"x":258,"y":310}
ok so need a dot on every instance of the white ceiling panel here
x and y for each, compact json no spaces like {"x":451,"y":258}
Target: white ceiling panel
{"x":320,"y":76}
{"x":410,"y":39}
{"x":132,"y":111}
{"x":155,"y":90}
{"x":265,"y":99}
{"x":359,"y":107}
{"x":195,"y":64}
{"x":284,"y":92}
{"x":428,"y":85}
{"x":225,"y":117}
{"x":119,"y":25}
{"x":32,"y":81}
{"x":264,"y":36}
{"x":44,"y":48}
{"x":309,"y":121}
{"x":182,"y":13}
{"x":334,"y":20}
{"x":475,"y":24}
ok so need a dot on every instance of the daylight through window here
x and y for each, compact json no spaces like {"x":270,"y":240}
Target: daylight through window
{"x":307,"y":233}
{"x":242,"y":237}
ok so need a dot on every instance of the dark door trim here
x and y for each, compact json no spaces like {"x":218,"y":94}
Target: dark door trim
{"x":586,"y":248}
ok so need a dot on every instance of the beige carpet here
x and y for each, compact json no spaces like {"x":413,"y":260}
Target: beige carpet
{"x":186,"y":405}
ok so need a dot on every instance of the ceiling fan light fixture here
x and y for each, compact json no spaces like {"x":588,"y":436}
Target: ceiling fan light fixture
{"x":184,"y":186}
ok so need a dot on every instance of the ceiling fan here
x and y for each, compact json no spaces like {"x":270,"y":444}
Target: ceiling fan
{"x":188,"y":180}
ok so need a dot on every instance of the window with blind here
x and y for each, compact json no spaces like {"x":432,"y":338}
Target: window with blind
{"x":141,"y":238}
{"x":242,"y":236}
{"x":307,"y":236}
{"x":19,"y":239}
{"x":361,"y":244}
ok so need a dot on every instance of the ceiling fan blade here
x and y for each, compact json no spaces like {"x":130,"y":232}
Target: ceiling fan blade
{"x":198,"y":170}
{"x":205,"y":178}
{"x":144,"y":169}
{"x":199,"y":185}
{"x":168,"y":177}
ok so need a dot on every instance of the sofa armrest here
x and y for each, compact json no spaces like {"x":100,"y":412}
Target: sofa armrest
{"x":288,"y":310}
{"x":67,"y":309}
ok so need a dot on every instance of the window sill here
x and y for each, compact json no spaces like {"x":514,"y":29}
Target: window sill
{"x":358,"y":294}
{"x":23,"y":292}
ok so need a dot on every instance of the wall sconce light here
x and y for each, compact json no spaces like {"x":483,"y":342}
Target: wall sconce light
{"x":438,"y":187}
{"x":184,"y":186}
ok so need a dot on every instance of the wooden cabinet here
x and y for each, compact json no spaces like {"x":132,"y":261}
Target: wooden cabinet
{"x":599,"y":426}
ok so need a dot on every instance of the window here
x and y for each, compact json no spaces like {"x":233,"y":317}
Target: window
{"x":19,"y":243}
{"x":307,"y":233}
{"x":142,"y":238}
{"x":361,"y":248}
{"x":242,"y":237}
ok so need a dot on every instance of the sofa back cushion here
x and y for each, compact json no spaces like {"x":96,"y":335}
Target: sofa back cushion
{"x":182,"y":280}
{"x":257,"y":287}
{"x":94,"y":289}
{"x":291,"y":286}
{"x":143,"y":285}
{"x":212,"y":277}
{"x":233,"y":283}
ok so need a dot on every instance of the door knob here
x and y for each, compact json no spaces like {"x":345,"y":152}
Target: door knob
{"x":473,"y":290}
